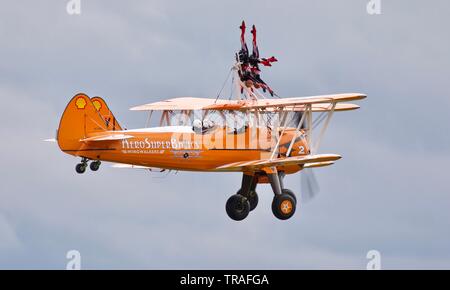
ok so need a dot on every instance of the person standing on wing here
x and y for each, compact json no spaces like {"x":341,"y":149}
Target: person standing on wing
{"x":245,"y":72}
{"x":250,"y":72}
{"x":254,"y":63}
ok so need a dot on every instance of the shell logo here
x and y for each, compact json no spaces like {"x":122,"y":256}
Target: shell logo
{"x":97,"y":105}
{"x":80,"y":103}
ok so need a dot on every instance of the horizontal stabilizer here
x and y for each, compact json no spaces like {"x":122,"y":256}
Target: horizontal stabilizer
{"x":108,"y":137}
{"x":50,"y":140}
{"x":297,"y":160}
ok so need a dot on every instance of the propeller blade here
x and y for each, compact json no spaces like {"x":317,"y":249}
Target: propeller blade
{"x":309,"y":185}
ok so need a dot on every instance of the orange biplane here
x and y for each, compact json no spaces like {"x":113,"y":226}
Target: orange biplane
{"x":264,"y":138}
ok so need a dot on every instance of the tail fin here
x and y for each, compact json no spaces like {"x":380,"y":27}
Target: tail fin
{"x":111,"y":122}
{"x":80,"y":119}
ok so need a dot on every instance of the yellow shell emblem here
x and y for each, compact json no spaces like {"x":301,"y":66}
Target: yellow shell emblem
{"x":97,"y":105}
{"x":80,"y":103}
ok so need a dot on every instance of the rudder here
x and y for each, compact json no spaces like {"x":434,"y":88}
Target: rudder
{"x":109,"y":118}
{"x":80,"y":118}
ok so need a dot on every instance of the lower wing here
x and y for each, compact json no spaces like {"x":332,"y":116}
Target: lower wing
{"x":316,"y":160}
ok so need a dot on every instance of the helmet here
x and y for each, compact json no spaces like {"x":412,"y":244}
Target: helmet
{"x":208,"y":123}
{"x":197,"y":124}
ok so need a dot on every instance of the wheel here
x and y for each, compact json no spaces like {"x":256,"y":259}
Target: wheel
{"x":290,"y":192}
{"x":283,"y":206}
{"x":252,"y":198}
{"x":237,"y":207}
{"x":80,"y":168}
{"x":95,"y":165}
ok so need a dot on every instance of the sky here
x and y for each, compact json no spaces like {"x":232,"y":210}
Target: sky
{"x":389,"y":192}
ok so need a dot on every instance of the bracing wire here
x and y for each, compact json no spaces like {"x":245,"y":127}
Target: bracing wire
{"x":223,"y":86}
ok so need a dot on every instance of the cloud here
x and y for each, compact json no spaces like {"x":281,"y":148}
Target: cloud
{"x":10,"y":241}
{"x":389,"y":192}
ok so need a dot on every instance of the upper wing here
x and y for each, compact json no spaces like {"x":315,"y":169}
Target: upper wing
{"x":180,"y":104}
{"x":274,"y":106}
{"x":319,"y":103}
{"x":297,"y":160}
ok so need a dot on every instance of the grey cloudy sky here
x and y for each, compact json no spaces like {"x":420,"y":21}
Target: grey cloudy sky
{"x":390,"y":192}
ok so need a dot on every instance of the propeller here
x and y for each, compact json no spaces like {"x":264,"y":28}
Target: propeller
{"x":308,"y":184}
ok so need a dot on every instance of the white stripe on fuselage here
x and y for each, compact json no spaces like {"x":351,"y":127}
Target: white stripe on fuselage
{"x":165,"y":129}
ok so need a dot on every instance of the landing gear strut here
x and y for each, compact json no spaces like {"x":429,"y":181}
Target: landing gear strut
{"x":248,"y":189}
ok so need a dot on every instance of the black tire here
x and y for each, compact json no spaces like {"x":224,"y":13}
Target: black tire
{"x":80,"y":168}
{"x":252,"y":197}
{"x":95,"y":165}
{"x":237,"y":207}
{"x":283,"y":206}
{"x":290,"y":192}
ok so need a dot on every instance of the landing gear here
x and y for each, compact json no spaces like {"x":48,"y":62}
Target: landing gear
{"x":283,"y":206}
{"x":95,"y":165}
{"x":81,"y":167}
{"x":252,"y":197}
{"x":289,"y":192}
{"x":246,"y":199}
{"x":284,"y":201}
{"x":237,"y":207}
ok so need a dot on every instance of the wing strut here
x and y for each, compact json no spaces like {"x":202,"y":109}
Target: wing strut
{"x":283,"y":123}
{"x":297,"y":130}
{"x":324,"y":128}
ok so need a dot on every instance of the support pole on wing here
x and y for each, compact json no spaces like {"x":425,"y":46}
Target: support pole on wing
{"x":236,"y":82}
{"x":282,"y":123}
{"x":309,"y":119}
{"x":297,"y":130}
{"x":147,"y":124}
{"x":324,"y":128}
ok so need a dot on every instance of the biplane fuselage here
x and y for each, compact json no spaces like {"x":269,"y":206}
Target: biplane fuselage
{"x":180,"y":148}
